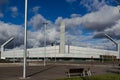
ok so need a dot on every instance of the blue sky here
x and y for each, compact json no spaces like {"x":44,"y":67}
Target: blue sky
{"x":85,"y":20}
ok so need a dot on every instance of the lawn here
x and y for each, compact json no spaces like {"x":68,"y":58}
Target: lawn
{"x":98,"y":77}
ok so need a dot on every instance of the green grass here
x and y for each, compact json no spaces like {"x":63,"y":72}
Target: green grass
{"x":74,"y":78}
{"x":98,"y":77}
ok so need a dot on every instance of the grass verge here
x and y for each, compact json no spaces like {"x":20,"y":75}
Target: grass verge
{"x":97,"y":77}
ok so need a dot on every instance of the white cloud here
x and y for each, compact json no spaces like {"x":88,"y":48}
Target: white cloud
{"x":99,"y":20}
{"x":69,"y":22}
{"x":75,"y":15}
{"x":93,"y":5}
{"x":52,"y":34}
{"x":37,"y":21}
{"x":8,"y":30}
{"x":14,"y":11}
{"x":35,"y":9}
{"x":106,"y":19}
{"x":35,"y":38}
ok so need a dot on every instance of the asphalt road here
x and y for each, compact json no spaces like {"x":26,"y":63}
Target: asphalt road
{"x":50,"y":71}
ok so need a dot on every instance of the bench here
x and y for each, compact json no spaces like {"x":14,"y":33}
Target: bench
{"x":76,"y":71}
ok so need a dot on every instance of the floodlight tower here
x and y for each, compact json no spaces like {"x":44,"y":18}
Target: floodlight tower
{"x":116,"y":43}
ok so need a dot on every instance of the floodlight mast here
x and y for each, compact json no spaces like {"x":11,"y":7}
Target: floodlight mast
{"x":25,"y":41}
{"x":45,"y":26}
{"x":117,"y":44}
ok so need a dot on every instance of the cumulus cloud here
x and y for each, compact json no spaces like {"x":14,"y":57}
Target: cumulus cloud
{"x":75,"y":15}
{"x":106,"y":19}
{"x":34,"y":38}
{"x":14,"y":11}
{"x":114,"y":31}
{"x":8,"y":30}
{"x":97,"y":21}
{"x":69,"y":22}
{"x":93,"y":5}
{"x":37,"y":21}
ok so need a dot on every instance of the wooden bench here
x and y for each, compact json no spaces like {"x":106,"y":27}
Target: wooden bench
{"x":76,"y":71}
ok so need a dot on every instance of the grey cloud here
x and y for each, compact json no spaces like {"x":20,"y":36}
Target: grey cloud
{"x":114,"y":31}
{"x":8,"y":30}
{"x":37,"y":21}
{"x":100,"y":20}
{"x":34,"y":38}
{"x":97,"y":21}
{"x":105,"y":20}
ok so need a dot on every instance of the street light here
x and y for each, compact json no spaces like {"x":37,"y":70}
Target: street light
{"x":45,"y":26}
{"x":25,"y":41}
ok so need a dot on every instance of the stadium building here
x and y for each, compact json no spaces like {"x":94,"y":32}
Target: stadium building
{"x":61,"y":51}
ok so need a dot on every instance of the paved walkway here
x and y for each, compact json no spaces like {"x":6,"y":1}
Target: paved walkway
{"x":49,"y":72}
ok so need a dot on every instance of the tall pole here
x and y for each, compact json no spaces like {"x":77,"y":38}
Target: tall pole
{"x":25,"y":42}
{"x":119,"y":51}
{"x":45,"y":25}
{"x":55,"y":51}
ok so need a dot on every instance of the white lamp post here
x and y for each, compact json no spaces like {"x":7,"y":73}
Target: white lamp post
{"x":25,"y":42}
{"x":45,"y":26}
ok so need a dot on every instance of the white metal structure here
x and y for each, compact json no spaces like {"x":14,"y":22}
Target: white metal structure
{"x":116,"y":43}
{"x":53,"y":51}
{"x":3,"y":45}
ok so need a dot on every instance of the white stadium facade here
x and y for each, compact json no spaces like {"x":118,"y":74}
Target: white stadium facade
{"x":54,"y":52}
{"x":58,"y":51}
